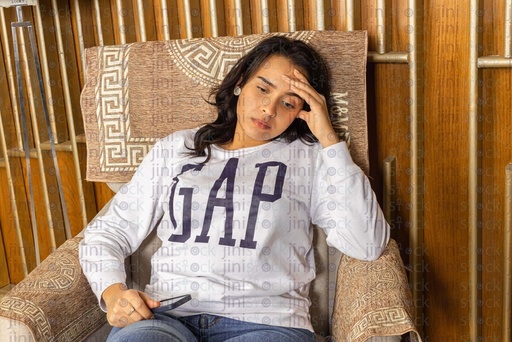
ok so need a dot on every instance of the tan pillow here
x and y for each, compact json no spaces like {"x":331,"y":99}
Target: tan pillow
{"x":139,"y":92}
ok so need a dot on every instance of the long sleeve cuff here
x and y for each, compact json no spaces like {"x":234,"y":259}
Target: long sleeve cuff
{"x":100,"y":279}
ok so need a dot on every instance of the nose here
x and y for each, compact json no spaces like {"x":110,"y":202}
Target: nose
{"x":268,"y":107}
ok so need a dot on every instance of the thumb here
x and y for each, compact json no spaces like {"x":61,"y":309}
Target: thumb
{"x":150,"y":303}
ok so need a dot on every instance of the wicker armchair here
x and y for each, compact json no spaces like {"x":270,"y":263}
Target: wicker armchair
{"x":131,"y":87}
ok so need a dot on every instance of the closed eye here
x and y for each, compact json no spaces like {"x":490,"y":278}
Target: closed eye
{"x":262,"y":90}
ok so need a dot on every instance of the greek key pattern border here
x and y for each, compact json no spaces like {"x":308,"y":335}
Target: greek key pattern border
{"x":61,"y":275}
{"x":199,"y":58}
{"x":385,"y":317}
{"x":119,"y":151}
{"x":31,"y":312}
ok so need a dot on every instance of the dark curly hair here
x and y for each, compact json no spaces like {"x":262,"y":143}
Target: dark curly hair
{"x":222,"y":130}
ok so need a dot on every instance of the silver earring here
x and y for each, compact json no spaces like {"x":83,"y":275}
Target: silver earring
{"x":237,"y":91}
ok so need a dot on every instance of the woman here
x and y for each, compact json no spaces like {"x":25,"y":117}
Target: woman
{"x":233,"y":202}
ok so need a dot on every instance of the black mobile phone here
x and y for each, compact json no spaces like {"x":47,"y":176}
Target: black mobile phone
{"x":171,"y":303}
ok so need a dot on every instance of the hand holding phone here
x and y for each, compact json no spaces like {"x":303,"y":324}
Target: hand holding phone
{"x":171,"y":303}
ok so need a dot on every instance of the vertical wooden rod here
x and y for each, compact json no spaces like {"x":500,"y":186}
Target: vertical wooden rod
{"x":265,"y":16}
{"x":389,"y":187}
{"x":99,"y":28}
{"x":381,"y":26}
{"x":292,"y":22}
{"x":349,"y":14}
{"x":416,"y":160}
{"x":508,"y":29}
{"x":320,"y":21}
{"x":81,"y":44}
{"x":165,"y":20}
{"x":213,"y":18}
{"x":238,"y":17}
{"x":69,"y":113}
{"x":23,"y":120}
{"x":10,"y":76}
{"x":46,"y":73}
{"x":474,"y":218}
{"x":12,"y":193}
{"x":188,"y":19}
{"x":142,"y":21}
{"x":507,"y":259}
{"x":120,"y":18}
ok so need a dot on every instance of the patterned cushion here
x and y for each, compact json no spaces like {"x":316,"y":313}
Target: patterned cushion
{"x":139,"y":92}
{"x":54,"y":301}
{"x":372,"y":298}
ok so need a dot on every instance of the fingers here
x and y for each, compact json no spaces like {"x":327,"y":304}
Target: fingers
{"x":150,"y":302}
{"x":127,"y":307}
{"x":127,"y":317}
{"x":302,"y":87}
{"x":317,"y":118}
{"x":140,"y":306}
{"x":132,"y":310}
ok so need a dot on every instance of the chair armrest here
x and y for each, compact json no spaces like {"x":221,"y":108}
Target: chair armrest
{"x":372,"y":298}
{"x":53,"y":303}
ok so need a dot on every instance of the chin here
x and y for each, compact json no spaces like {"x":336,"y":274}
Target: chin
{"x":265,"y":137}
{"x":258,"y":135}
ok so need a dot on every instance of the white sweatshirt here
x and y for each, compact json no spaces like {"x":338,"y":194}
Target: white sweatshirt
{"x":236,"y":232}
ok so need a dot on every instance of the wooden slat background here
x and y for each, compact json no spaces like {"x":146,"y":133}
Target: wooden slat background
{"x":444,"y":50}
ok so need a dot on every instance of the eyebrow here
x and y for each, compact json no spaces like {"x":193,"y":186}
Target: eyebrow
{"x":268,"y":82}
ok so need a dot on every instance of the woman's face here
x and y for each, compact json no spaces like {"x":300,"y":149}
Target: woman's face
{"x":266,"y":105}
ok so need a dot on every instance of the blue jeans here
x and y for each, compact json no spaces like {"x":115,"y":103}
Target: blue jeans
{"x":206,"y":328}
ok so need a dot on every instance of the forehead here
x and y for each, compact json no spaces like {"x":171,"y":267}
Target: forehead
{"x":276,"y":65}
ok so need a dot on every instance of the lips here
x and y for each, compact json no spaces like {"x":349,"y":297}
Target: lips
{"x":260,"y":124}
